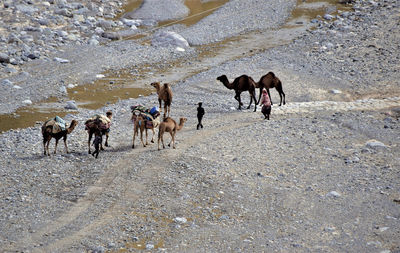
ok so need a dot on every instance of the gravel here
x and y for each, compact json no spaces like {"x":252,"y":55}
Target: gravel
{"x":321,"y":175}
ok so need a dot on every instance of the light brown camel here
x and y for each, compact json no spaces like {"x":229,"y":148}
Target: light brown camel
{"x":169,"y":125}
{"x":164,"y":94}
{"x":240,"y":84}
{"x":93,"y":125}
{"x":140,"y":124}
{"x":148,"y":125}
{"x":47,"y":132}
{"x":270,"y":81}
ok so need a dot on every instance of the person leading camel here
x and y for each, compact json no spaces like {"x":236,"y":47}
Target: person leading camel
{"x":99,"y":122}
{"x":200,"y":114}
{"x":266,"y":104}
{"x":169,"y":125}
{"x":164,"y":94}
{"x":47,"y":133}
{"x":270,"y":81}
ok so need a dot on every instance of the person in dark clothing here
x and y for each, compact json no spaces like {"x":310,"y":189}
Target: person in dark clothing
{"x":200,"y":114}
{"x":96,"y":142}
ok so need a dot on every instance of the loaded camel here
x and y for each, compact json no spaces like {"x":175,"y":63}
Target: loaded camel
{"x":270,"y":81}
{"x":47,"y":132}
{"x":240,"y":84}
{"x":140,"y":124}
{"x":93,"y":125}
{"x":164,"y":94}
{"x":147,"y":125}
{"x":169,"y":125}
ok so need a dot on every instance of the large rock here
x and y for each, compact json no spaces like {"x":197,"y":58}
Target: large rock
{"x":111,"y":35}
{"x":166,"y":38}
{"x":4,"y":58}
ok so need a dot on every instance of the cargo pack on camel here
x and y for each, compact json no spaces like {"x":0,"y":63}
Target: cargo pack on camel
{"x":99,"y":123}
{"x":143,"y":119}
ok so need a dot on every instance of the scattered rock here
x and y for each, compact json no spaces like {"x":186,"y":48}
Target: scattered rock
{"x":375,"y":144}
{"x":333,"y":194}
{"x":71,"y":105}
{"x":166,"y":38}
{"x":61,"y":60}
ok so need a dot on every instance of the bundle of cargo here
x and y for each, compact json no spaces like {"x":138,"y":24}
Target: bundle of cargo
{"x":57,"y":123}
{"x":151,"y":115}
{"x":102,"y":122}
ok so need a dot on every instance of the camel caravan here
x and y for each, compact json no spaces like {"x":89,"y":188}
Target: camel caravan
{"x":145,"y":119}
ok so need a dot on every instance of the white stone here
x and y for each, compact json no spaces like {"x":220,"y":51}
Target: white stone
{"x":336,"y":91}
{"x":180,"y":219}
{"x":333,"y":194}
{"x":71,"y":85}
{"x":100,"y":76}
{"x":17,"y":87}
{"x":179,"y":49}
{"x":27,"y":102}
{"x":375,"y":144}
{"x":7,"y":82}
{"x":61,"y":60}
{"x":71,"y":105}
{"x":167,"y":38}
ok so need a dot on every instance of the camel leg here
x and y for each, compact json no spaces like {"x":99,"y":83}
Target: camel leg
{"x":106,"y":143}
{"x":269,"y":95}
{"x":251,"y":100}
{"x":47,"y":146}
{"x":134,"y":135}
{"x":173,"y":140}
{"x":281,"y":93}
{"x":259,"y":96}
{"x":141,"y":135}
{"x":237,"y":97}
{"x":55,"y":148}
{"x":44,"y":145}
{"x":158,"y":140}
{"x":90,"y":138}
{"x":162,"y":141}
{"x":152,"y":137}
{"x":65,"y":144}
{"x":254,"y":97}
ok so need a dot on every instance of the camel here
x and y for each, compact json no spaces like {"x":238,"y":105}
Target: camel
{"x":169,"y":125}
{"x":240,"y":84}
{"x":154,"y":124}
{"x":140,"y":124}
{"x":164,"y":94}
{"x":47,"y":132}
{"x":270,"y":81}
{"x":93,"y":125}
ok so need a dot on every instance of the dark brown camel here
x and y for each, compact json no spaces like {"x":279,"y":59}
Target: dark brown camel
{"x":270,"y":81}
{"x":240,"y":84}
{"x":94,"y":125}
{"x":47,"y":132}
{"x":164,"y":94}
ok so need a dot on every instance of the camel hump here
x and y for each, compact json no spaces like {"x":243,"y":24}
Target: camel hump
{"x":166,"y":85}
{"x":271,"y":73}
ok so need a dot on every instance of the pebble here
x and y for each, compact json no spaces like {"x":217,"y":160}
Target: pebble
{"x":375,"y":144}
{"x":60,"y":60}
{"x":333,"y":194}
{"x":71,"y":105}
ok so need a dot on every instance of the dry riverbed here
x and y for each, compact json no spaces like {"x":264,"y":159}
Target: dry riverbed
{"x":321,"y":175}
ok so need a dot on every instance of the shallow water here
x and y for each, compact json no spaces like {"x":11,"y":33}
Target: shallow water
{"x":124,"y":85}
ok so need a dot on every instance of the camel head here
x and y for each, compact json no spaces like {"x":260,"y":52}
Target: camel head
{"x":182,"y":121}
{"x":156,"y":85}
{"x":223,"y":78}
{"x":72,"y":126}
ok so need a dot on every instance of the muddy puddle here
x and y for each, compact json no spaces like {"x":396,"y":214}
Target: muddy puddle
{"x":124,"y":85}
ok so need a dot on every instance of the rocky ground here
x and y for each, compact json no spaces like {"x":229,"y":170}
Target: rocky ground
{"x":321,"y":175}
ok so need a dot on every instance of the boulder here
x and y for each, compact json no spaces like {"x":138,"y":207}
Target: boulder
{"x":167,"y":38}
